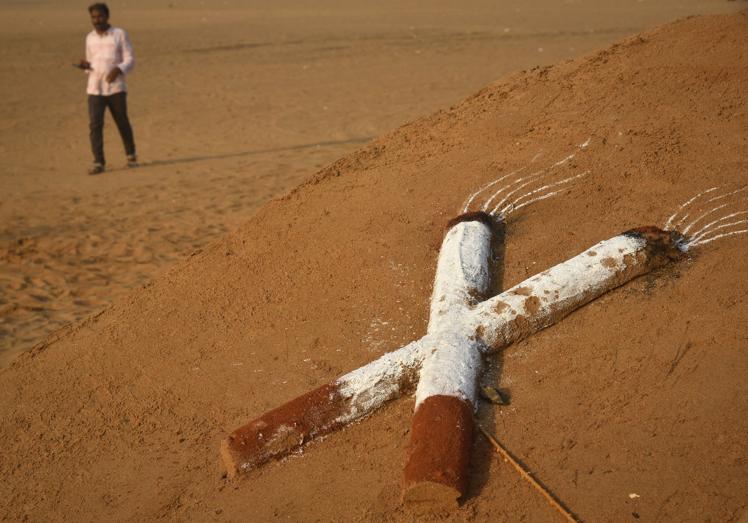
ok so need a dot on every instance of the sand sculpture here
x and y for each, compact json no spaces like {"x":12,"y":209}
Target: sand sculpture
{"x":464,"y":326}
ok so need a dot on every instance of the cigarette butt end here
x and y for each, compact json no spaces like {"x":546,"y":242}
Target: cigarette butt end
{"x":227,"y":459}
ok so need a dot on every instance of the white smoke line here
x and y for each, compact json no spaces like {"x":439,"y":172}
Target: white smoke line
{"x":561,"y":162}
{"x":485,"y":206}
{"x":509,"y":209}
{"x":530,"y":179}
{"x":490,"y":184}
{"x":704,"y":215}
{"x":710,"y":224}
{"x":532,"y":176}
{"x":513,"y":205}
{"x":669,"y":221}
{"x":548,"y":186}
{"x":697,"y":237}
{"x":702,"y":242}
{"x":728,"y":194}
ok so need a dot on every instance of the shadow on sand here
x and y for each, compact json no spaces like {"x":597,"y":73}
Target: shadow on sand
{"x":253,"y":152}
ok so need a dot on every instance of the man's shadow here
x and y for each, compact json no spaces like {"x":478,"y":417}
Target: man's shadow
{"x":255,"y":152}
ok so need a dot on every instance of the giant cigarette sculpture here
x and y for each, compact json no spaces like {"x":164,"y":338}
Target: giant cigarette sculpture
{"x":462,"y":328}
{"x":362,"y":391}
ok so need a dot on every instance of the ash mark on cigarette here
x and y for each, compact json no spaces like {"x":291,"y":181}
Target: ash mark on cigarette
{"x":522,"y":291}
{"x":522,"y":327}
{"x":500,"y":307}
{"x":532,"y":305}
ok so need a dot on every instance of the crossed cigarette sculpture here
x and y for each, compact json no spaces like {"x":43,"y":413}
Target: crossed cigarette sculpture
{"x":464,"y":326}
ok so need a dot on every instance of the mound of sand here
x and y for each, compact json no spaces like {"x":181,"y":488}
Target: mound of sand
{"x":641,"y":392}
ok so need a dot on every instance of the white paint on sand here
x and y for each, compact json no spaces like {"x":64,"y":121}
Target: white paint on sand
{"x":527,"y":181}
{"x":711,"y":231}
{"x":490,"y":184}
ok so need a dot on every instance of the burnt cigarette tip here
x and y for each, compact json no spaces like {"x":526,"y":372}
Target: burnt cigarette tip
{"x":492,"y":222}
{"x":660,"y":242}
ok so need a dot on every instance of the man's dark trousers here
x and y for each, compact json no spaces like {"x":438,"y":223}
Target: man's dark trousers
{"x":117,"y":104}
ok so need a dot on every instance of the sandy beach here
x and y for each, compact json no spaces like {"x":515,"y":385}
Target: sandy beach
{"x":298,"y":168}
{"x":231,"y":106}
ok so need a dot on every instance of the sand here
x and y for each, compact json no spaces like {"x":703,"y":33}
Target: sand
{"x":120,"y":416}
{"x":231,"y":106}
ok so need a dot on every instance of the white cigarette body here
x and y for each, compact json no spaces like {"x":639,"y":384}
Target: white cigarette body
{"x":441,"y":433}
{"x":462,"y":281}
{"x":544,"y":299}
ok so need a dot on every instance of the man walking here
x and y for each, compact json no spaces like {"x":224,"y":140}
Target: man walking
{"x":109,"y":58}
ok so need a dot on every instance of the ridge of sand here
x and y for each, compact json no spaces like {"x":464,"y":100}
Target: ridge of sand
{"x":642,"y":391}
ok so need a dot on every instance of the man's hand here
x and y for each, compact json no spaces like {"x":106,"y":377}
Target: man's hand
{"x":113,"y":74}
{"x":83,"y":64}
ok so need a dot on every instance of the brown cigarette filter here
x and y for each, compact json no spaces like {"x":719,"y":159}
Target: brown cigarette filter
{"x":437,"y":470}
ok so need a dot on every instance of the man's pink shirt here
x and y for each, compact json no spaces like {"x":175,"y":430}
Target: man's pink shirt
{"x":104,"y":53}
